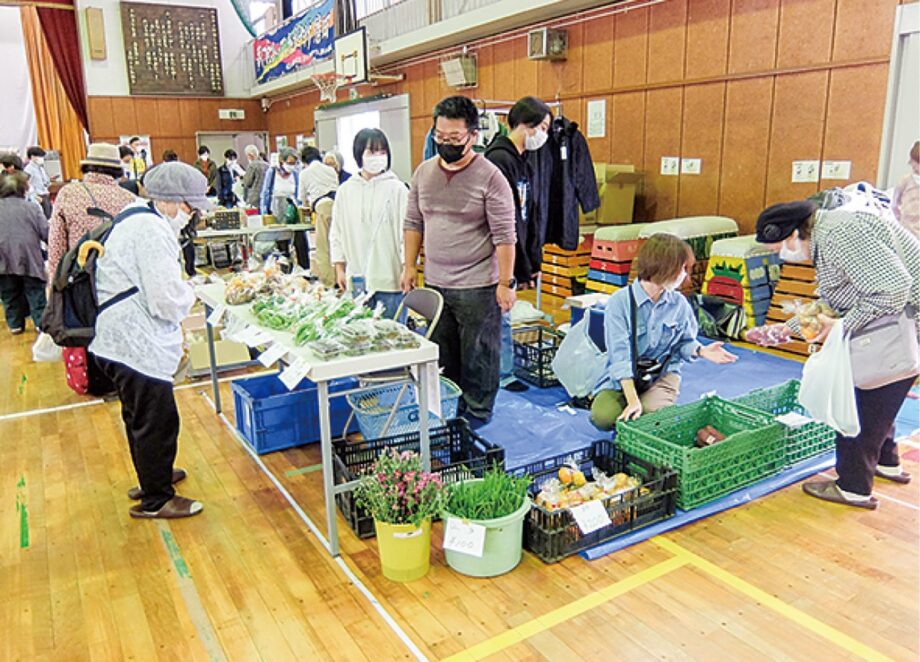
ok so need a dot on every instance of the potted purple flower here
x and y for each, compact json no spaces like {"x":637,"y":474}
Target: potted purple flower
{"x":402,"y":498}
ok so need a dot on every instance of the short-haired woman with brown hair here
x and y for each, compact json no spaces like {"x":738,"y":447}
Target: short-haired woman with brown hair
{"x":650,"y":330}
{"x":22,"y":267}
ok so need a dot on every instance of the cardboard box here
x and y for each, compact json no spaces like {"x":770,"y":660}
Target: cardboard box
{"x":617,"y":193}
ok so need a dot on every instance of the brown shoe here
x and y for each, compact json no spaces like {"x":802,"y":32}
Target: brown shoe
{"x":903,"y":478}
{"x":136,"y":493}
{"x":175,"y":508}
{"x":828,"y":491}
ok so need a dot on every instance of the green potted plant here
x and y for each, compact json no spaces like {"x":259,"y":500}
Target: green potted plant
{"x":402,"y":500}
{"x":499,"y":503}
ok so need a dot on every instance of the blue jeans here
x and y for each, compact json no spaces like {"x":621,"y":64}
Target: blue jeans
{"x":390,"y":301}
{"x":507,"y":352}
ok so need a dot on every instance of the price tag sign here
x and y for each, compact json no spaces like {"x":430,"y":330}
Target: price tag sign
{"x":793,"y":420}
{"x":464,"y":537}
{"x":217,"y":315}
{"x":256,"y":337}
{"x":591,"y":516}
{"x":294,"y":374}
{"x":271,"y":355}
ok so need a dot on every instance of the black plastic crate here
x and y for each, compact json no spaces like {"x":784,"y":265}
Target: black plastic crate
{"x":534,"y":350}
{"x":554,"y":535}
{"x":456,"y":453}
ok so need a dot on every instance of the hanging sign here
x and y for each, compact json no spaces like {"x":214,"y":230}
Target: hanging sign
{"x":297,"y":43}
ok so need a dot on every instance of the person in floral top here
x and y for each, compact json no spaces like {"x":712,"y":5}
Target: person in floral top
{"x":99,"y":188}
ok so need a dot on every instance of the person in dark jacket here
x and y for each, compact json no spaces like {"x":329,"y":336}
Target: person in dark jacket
{"x":529,"y":121}
{"x":22,"y":267}
{"x":564,"y":179}
{"x":226,"y":176}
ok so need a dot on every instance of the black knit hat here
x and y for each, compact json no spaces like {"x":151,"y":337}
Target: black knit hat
{"x":778,"y":222}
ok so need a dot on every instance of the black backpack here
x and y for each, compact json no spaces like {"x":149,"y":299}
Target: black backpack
{"x":70,"y":316}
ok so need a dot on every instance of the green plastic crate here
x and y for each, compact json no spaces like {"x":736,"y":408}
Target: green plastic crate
{"x":753,"y":449}
{"x":801,"y":443}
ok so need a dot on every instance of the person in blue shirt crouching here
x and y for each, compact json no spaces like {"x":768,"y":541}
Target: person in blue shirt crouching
{"x":650,"y":330}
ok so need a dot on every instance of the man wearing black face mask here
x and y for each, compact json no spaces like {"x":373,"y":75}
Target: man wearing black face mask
{"x":463,"y":208}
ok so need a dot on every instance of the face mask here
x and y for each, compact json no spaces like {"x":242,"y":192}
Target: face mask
{"x":799,"y":254}
{"x":179,"y":221}
{"x":916,"y":177}
{"x":536,"y":141}
{"x":374,"y":164}
{"x":40,"y":160}
{"x":676,"y":283}
{"x":204,"y":158}
{"x":287,"y":168}
{"x":451,"y":153}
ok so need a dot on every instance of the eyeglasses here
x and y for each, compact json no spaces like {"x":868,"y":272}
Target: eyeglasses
{"x":451,"y":138}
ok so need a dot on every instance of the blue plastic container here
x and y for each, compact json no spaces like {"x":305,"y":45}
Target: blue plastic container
{"x":271,"y":418}
{"x":374,"y":406}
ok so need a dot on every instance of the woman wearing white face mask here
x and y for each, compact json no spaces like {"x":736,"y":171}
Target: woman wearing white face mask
{"x":279,"y":190}
{"x":366,"y":237}
{"x":867,"y":267}
{"x":905,"y":203}
{"x":650,"y":331}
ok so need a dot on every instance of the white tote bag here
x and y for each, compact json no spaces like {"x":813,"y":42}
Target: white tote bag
{"x":827,"y":389}
{"x":578,"y":363}
{"x":44,"y":350}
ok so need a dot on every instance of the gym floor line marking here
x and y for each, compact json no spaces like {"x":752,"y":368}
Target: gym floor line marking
{"x":189,"y":592}
{"x":290,"y":473}
{"x":567,"y":612}
{"x":352,"y":577}
{"x":23,"y":513}
{"x":797,"y":616}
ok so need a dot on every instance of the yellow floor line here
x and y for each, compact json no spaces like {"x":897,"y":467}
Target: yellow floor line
{"x":542,"y":623}
{"x":798,"y":616}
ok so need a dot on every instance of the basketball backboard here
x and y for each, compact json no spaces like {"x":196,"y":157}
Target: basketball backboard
{"x":351,"y":56}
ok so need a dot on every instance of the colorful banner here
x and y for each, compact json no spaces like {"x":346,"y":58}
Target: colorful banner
{"x":296,"y":44}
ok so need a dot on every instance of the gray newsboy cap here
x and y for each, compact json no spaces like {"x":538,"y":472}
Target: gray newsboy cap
{"x":177,"y":182}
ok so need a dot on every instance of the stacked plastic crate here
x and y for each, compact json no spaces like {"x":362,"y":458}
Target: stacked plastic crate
{"x":612,"y":257}
{"x":742,"y":272}
{"x":563,"y":274}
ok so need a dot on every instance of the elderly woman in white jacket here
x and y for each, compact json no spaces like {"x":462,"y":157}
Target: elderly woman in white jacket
{"x":366,"y":238}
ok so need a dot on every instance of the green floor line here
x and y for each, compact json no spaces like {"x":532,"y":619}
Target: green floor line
{"x":174,"y":554}
{"x":23,"y":513}
{"x":303,"y":470}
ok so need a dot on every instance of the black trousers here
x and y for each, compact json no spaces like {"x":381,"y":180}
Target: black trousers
{"x":302,"y":247}
{"x":469,"y":339}
{"x":148,"y":409}
{"x":858,"y":456}
{"x":22,"y":296}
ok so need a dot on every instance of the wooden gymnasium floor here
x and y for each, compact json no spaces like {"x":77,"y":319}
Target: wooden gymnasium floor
{"x":785,"y":577}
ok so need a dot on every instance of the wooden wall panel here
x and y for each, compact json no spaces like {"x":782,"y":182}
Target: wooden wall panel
{"x":432,"y":78}
{"x":564,"y":77}
{"x":701,"y":137}
{"x":797,"y":132}
{"x":190,"y":117}
{"x":415,"y":86}
{"x":148,"y":117}
{"x":598,"y":55}
{"x":486,"y":73}
{"x":628,"y":129}
{"x":124,"y":119}
{"x":745,"y":145}
{"x":170,"y":118}
{"x":752,"y":46}
{"x":664,"y":109}
{"x":667,"y":41}
{"x":863,"y":29}
{"x":846,"y":137}
{"x":707,"y":38}
{"x":630,"y":48}
{"x":503,"y":56}
{"x":524,"y":73}
{"x":806,"y":32}
{"x":101,"y":118}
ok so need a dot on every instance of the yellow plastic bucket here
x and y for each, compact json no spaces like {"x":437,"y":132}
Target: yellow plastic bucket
{"x":405,"y":550}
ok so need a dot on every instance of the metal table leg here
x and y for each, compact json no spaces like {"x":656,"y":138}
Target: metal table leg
{"x":325,"y":431}
{"x":212,"y":357}
{"x":424,"y":437}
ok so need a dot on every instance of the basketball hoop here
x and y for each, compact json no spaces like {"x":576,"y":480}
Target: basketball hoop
{"x":328,"y":85}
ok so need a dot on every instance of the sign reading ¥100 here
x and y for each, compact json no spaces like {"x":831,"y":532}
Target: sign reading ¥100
{"x":296,"y":44}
